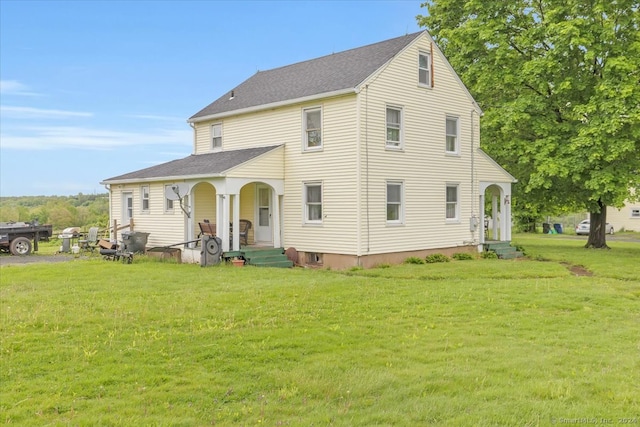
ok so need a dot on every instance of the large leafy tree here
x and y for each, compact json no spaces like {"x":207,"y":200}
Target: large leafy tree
{"x":559,"y":82}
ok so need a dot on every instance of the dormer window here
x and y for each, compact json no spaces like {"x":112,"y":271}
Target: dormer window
{"x":216,"y":136}
{"x":424,"y":69}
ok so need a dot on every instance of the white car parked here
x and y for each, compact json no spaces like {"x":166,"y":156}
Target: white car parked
{"x":584,"y":226}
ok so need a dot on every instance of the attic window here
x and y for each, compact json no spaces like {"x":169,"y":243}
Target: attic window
{"x":424,"y":69}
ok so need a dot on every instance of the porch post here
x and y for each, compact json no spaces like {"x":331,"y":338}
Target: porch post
{"x":495,"y":215}
{"x":482,"y":215}
{"x":507,"y":217}
{"x":236,"y":222}
{"x":223,"y":225}
{"x":276,"y":221}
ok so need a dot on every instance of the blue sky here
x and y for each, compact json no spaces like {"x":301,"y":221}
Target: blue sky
{"x":94,"y":89}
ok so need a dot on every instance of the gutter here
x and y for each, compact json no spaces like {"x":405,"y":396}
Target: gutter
{"x":272,"y":105}
{"x":163,"y":178}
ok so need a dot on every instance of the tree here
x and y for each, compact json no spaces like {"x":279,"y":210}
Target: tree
{"x":559,"y":83}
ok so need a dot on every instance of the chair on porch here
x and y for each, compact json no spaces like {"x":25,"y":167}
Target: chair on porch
{"x":245,"y":226}
{"x":207,"y":228}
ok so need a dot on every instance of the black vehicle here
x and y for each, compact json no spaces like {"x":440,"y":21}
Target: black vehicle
{"x":16,"y":237}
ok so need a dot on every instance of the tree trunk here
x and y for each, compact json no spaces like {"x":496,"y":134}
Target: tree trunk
{"x":597,"y":229}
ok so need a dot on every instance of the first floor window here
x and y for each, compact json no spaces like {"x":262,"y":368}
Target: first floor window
{"x":216,"y":136}
{"x":394,"y":127}
{"x":635,"y":213}
{"x":452,"y":135}
{"x":313,"y":202}
{"x":452,"y":202}
{"x":168,"y":203}
{"x":394,"y":202}
{"x":312,"y":128}
{"x":144,"y":195}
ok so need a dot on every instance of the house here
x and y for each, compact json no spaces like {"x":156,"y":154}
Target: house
{"x":357,"y":158}
{"x":627,"y":218}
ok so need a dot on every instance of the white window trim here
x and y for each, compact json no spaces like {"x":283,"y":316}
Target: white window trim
{"x":429,"y":76}
{"x":393,"y":146}
{"x":400,"y":220}
{"x":305,"y":146}
{"x":214,"y":125}
{"x":456,"y":152}
{"x":635,"y":213}
{"x":167,"y":209}
{"x":457,"y":217}
{"x":143,"y":198}
{"x":305,"y":210}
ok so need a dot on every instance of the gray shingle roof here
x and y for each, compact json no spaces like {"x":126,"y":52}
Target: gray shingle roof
{"x":194,"y":165}
{"x":338,"y":71}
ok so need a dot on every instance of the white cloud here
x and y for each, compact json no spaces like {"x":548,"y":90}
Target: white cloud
{"x":61,"y":137}
{"x":39,"y":113}
{"x":14,"y":87}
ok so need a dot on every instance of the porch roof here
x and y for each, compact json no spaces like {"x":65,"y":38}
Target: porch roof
{"x":195,"y":165}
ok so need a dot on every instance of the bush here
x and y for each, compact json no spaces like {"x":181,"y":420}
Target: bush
{"x":437,"y":258}
{"x":414,"y":260}
{"x":462,"y":256}
{"x":489,"y":255}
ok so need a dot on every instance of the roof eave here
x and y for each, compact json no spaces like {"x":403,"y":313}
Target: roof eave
{"x":272,"y":105}
{"x":161,"y":178}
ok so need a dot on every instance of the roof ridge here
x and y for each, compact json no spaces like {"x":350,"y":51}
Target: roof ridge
{"x":346,"y":51}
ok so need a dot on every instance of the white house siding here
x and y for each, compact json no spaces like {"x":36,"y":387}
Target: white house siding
{"x":272,"y":127}
{"x":268,"y":166}
{"x":422,"y":165}
{"x":335,"y":167}
{"x":622,"y":219}
{"x":486,"y":169}
{"x":171,"y":224}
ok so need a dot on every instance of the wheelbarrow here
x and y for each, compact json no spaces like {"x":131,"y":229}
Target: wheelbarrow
{"x":110,"y":251}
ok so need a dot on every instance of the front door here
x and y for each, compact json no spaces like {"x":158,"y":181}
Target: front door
{"x":263,"y":229}
{"x":127,"y":207}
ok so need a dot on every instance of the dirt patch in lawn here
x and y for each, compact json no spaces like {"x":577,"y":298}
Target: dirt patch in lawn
{"x":578,"y":270}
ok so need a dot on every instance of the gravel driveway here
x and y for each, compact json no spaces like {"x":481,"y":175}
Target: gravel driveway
{"x":7,"y":259}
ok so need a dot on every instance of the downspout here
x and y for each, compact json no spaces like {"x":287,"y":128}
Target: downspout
{"x":358,"y":178}
{"x":366,"y":159}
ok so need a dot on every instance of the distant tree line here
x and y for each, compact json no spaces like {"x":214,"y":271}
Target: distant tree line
{"x":81,"y":210}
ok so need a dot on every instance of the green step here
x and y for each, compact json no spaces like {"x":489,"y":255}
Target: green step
{"x":504,"y":250}
{"x":267,"y":257}
{"x":286,"y":263}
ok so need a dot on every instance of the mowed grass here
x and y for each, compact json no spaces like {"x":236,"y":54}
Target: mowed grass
{"x":471,"y":343}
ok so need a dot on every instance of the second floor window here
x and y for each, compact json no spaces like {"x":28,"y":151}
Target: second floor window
{"x":216,"y":136}
{"x":144,"y":196}
{"x":312,"y":128}
{"x":394,"y":127}
{"x":452,"y":135}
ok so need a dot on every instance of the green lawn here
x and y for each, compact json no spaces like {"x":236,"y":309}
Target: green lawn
{"x":470,"y":343}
